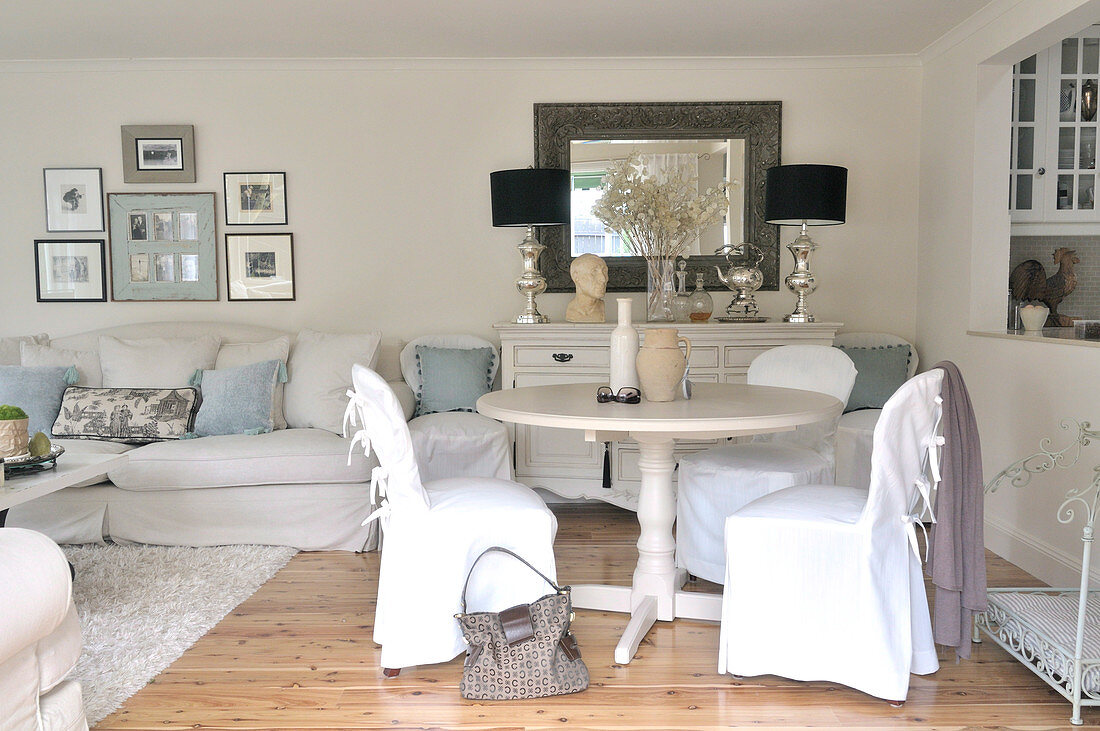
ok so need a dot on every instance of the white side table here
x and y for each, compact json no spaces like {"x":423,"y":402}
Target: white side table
{"x":71,"y":469}
{"x":717,"y":410}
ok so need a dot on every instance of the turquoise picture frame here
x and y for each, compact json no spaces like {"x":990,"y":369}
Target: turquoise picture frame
{"x":163,"y":247}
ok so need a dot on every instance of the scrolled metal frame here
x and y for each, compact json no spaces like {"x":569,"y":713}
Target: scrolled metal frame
{"x":758,"y":123}
{"x":1064,"y":669}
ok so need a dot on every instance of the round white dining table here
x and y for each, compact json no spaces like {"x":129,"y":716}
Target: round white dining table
{"x":715,"y":411}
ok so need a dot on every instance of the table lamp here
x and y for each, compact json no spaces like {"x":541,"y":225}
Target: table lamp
{"x":530,"y":197}
{"x":805,"y":195}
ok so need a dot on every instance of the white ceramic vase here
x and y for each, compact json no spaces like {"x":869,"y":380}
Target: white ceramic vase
{"x":624,"y":349}
{"x":661,"y":364}
{"x":1034,"y":317}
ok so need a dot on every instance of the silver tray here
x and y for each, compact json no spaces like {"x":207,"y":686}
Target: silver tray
{"x":741,"y":319}
{"x":29,"y":463}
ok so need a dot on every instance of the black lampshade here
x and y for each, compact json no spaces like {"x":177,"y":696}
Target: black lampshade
{"x":814,"y":194}
{"x":530,"y":197}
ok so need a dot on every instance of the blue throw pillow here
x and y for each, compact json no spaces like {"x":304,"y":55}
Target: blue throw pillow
{"x":37,"y":390}
{"x":236,"y":400}
{"x":452,"y":379}
{"x":881,"y":371}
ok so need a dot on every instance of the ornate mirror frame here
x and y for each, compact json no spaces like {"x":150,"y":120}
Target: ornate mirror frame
{"x":758,"y":123}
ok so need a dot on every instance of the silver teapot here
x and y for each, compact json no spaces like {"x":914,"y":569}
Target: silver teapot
{"x":744,"y":279}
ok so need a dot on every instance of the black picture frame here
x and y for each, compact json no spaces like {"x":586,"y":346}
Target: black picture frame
{"x":235,"y":212}
{"x":77,"y":273}
{"x":281,"y":264}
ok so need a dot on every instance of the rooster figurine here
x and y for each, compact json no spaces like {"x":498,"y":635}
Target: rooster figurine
{"x":1029,"y":281}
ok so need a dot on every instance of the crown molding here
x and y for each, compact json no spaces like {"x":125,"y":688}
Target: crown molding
{"x":985,"y":15}
{"x":726,"y":63}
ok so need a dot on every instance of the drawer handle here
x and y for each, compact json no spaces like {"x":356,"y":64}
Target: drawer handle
{"x":563,"y":357}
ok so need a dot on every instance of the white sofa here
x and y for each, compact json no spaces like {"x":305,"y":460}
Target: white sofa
{"x":292,"y":487}
{"x":40,"y":636}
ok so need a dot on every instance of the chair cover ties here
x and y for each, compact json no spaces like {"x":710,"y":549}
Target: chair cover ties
{"x":378,"y":476}
{"x":925,"y":485}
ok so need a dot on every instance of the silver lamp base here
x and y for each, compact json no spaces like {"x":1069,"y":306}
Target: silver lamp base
{"x":531,"y":283}
{"x":801,"y":281}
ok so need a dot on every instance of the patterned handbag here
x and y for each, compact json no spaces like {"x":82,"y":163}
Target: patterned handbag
{"x":526,"y":651}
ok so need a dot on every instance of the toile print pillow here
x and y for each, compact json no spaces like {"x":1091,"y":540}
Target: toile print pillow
{"x":131,"y":415}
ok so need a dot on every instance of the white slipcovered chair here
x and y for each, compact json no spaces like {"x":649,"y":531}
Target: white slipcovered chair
{"x":456,"y":443}
{"x":432,"y":532}
{"x":717,"y":482}
{"x":824,"y":582}
{"x":40,"y":637}
{"x":854,"y":433}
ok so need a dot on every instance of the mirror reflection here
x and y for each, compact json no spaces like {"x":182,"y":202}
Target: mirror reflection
{"x":710,"y":162}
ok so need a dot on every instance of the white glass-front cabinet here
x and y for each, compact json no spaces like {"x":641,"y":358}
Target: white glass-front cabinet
{"x":1054,"y":132}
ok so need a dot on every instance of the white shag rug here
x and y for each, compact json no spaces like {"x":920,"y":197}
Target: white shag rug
{"x":140,"y":607}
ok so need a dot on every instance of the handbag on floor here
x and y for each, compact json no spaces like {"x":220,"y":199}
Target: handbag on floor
{"x":526,"y":651}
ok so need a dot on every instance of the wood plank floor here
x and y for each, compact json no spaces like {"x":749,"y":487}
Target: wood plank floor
{"x":299,"y":655}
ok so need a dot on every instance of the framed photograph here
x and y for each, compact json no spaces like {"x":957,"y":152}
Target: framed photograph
{"x":71,"y":270}
{"x":74,"y":199}
{"x":158,"y":153}
{"x":163,"y":246}
{"x":253,"y":199}
{"x":259,"y":266}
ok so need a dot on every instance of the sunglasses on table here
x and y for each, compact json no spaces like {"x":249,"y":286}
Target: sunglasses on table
{"x":626,"y":395}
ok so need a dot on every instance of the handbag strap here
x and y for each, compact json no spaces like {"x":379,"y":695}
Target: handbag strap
{"x":514,"y":555}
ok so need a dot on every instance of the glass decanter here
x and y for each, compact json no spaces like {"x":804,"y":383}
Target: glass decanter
{"x":701,"y":303}
{"x":681,"y":302}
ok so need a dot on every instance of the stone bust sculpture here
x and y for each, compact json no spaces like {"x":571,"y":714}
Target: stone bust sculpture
{"x":589,"y":273}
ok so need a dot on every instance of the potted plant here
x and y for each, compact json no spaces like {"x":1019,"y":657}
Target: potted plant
{"x":13,"y":431}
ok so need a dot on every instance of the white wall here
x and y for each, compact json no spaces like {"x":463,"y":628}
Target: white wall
{"x":1020,"y":390}
{"x":388,"y":185}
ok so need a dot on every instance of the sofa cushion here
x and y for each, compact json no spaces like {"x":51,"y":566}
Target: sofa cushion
{"x":155,"y":362}
{"x":9,"y":347}
{"x":134,"y":415}
{"x":285,"y":457}
{"x":231,"y":355}
{"x":37,"y":391}
{"x":86,"y":361}
{"x":880,"y":371}
{"x":237,"y":400}
{"x":453,"y":379}
{"x":319,"y":374}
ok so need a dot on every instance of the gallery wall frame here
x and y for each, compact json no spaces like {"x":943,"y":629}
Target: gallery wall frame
{"x":163,"y":246}
{"x":158,"y":153}
{"x":70,"y":270}
{"x":259,"y":267}
{"x":74,"y":199}
{"x":255,"y":199}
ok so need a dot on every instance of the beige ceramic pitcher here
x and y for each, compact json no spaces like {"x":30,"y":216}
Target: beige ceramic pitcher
{"x":661,"y":364}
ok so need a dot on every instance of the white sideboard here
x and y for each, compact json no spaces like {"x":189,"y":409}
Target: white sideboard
{"x":559,"y":460}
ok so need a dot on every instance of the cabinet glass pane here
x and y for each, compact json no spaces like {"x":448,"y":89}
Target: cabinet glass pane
{"x":1088,"y":148}
{"x":1069,"y":56}
{"x":1065,"y":192}
{"x":1025,"y":147}
{"x":1067,"y":101}
{"x":1027,"y":66}
{"x":1088,"y":100}
{"x":1027,"y":100}
{"x":1090,"y":56}
{"x":1023,"y":193}
{"x":1066,"y":147}
{"x":1085,"y":192}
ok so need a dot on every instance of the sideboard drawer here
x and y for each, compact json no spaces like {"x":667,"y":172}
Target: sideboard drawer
{"x":704,"y":356}
{"x":528,"y":356}
{"x":735,"y":356}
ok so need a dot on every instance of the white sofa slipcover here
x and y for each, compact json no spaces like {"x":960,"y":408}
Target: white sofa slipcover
{"x":40,"y":637}
{"x":291,"y":487}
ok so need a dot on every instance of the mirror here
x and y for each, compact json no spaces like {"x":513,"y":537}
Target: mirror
{"x":737,"y":141}
{"x":710,"y":162}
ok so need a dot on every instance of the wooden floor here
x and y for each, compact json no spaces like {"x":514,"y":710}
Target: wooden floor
{"x":299,"y":655}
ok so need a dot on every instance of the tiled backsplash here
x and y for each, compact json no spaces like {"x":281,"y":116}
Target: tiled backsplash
{"x":1084,"y":301}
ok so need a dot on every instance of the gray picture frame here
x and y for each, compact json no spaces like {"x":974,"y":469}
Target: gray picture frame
{"x":759,"y":123}
{"x":127,"y":248}
{"x":133,"y":136}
